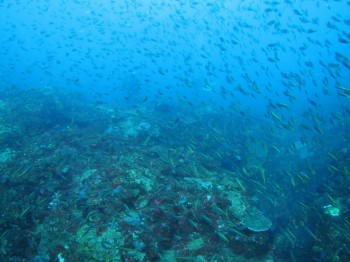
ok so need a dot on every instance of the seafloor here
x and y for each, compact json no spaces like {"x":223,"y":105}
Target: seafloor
{"x":88,"y":182}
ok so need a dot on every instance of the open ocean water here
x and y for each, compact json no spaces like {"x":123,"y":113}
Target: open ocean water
{"x":175,"y":130}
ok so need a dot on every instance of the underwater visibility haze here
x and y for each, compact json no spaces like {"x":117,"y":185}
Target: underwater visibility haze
{"x":175,"y":130}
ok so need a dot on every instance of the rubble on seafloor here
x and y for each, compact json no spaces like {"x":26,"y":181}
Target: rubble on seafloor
{"x":80,"y":185}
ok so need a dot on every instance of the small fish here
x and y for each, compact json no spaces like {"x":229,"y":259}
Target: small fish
{"x":343,"y":40}
{"x":195,"y":225}
{"x":144,"y":99}
{"x":343,"y":89}
{"x":332,"y":156}
{"x":177,"y":120}
{"x":303,"y":205}
{"x":276,"y":148}
{"x":333,"y":169}
{"x":283,"y":105}
{"x":262,"y":173}
{"x":276,"y":117}
{"x":312,"y":234}
{"x":223,"y":237}
{"x":25,"y":211}
{"x":206,"y":219}
{"x":303,"y":177}
{"x":288,"y":94}
{"x":319,"y":129}
{"x":242,"y":187}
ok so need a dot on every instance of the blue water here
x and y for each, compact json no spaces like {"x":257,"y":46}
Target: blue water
{"x":266,"y":82}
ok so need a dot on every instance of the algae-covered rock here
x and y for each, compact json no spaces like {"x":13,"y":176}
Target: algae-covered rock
{"x":238,"y":205}
{"x":6,"y":155}
{"x":195,"y":244}
{"x":256,"y":221}
{"x":103,"y":247}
